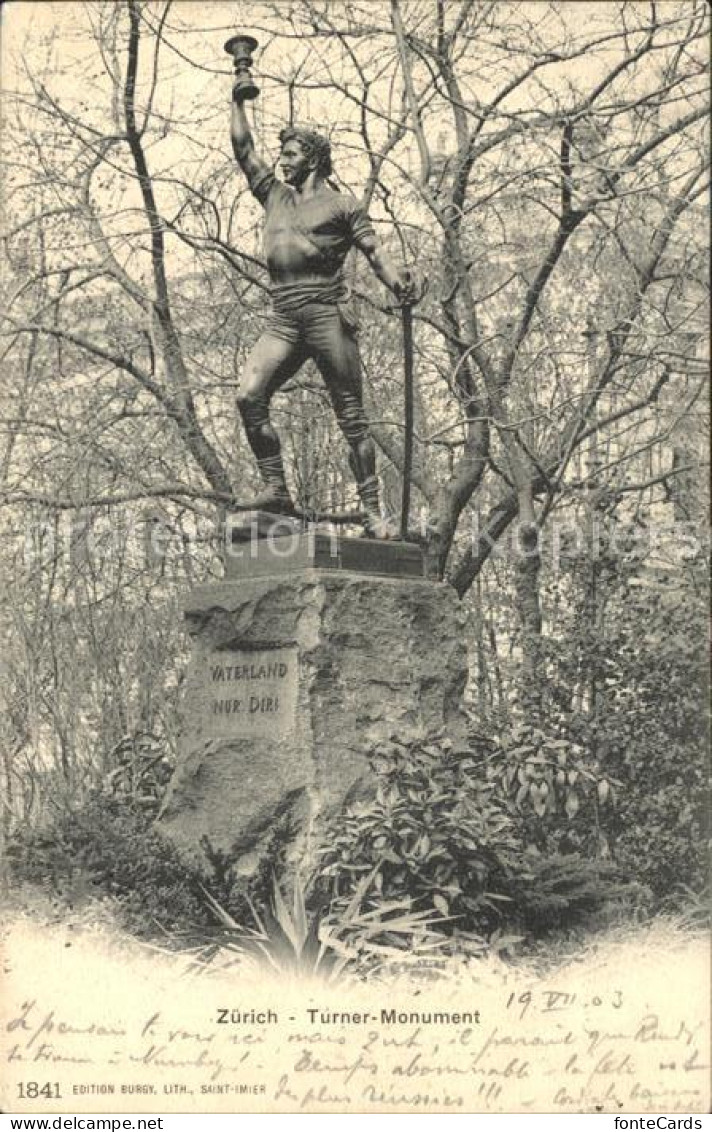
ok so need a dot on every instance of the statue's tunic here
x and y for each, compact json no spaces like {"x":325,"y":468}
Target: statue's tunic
{"x":306,"y":241}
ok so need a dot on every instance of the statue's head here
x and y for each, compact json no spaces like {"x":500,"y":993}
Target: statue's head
{"x":315,"y":147}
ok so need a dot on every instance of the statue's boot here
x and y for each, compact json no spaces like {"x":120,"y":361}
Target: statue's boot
{"x":275,"y":498}
{"x":375,"y":526}
{"x":378,"y":527}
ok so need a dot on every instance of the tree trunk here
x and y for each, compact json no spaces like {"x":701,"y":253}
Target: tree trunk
{"x":527,"y":570}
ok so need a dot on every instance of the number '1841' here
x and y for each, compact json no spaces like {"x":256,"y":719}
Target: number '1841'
{"x":29,"y":1090}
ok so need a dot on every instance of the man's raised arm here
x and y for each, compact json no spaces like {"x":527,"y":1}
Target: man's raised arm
{"x":258,"y":173}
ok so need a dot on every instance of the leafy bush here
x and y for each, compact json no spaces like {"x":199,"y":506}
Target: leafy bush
{"x":558,"y":795}
{"x":108,"y":849}
{"x":657,"y":739}
{"x":440,"y":833}
{"x":648,"y":729}
{"x":619,"y":768}
{"x":433,"y":833}
{"x":141,"y":772}
{"x":453,"y":842}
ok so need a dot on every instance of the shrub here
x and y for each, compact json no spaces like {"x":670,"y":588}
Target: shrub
{"x":649,"y":729}
{"x":439,"y":847}
{"x":433,"y":833}
{"x":618,"y":767}
{"x":560,"y":890}
{"x":325,"y":942}
{"x":141,"y":772}
{"x":115,"y":851}
{"x":558,"y":796}
{"x":440,"y":834}
{"x":657,"y":736}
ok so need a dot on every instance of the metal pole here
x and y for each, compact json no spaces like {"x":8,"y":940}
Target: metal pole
{"x":407,"y":313}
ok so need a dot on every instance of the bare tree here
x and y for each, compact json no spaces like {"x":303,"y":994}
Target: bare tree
{"x":547,"y":170}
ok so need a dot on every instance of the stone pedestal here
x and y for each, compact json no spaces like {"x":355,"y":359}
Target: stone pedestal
{"x":294,"y":678}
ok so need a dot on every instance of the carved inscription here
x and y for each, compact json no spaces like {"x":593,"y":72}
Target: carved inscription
{"x":250,"y":693}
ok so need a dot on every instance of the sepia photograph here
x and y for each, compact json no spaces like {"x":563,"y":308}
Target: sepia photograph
{"x":354,"y":456}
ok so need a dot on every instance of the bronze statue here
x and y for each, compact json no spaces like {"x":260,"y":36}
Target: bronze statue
{"x":309,"y":229}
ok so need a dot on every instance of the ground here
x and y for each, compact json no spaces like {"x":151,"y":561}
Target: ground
{"x":615,"y":1020}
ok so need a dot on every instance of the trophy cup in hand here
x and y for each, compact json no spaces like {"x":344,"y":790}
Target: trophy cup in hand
{"x":241,"y":48}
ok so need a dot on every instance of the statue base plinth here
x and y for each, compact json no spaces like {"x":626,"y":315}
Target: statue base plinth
{"x":245,"y":526}
{"x":279,"y":545}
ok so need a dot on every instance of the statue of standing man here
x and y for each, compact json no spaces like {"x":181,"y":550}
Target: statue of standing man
{"x":309,"y":230}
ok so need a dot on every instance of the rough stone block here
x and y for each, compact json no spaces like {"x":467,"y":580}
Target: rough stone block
{"x":293,"y":680}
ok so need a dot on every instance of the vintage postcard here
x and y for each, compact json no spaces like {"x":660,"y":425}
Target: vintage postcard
{"x":355,"y":554}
